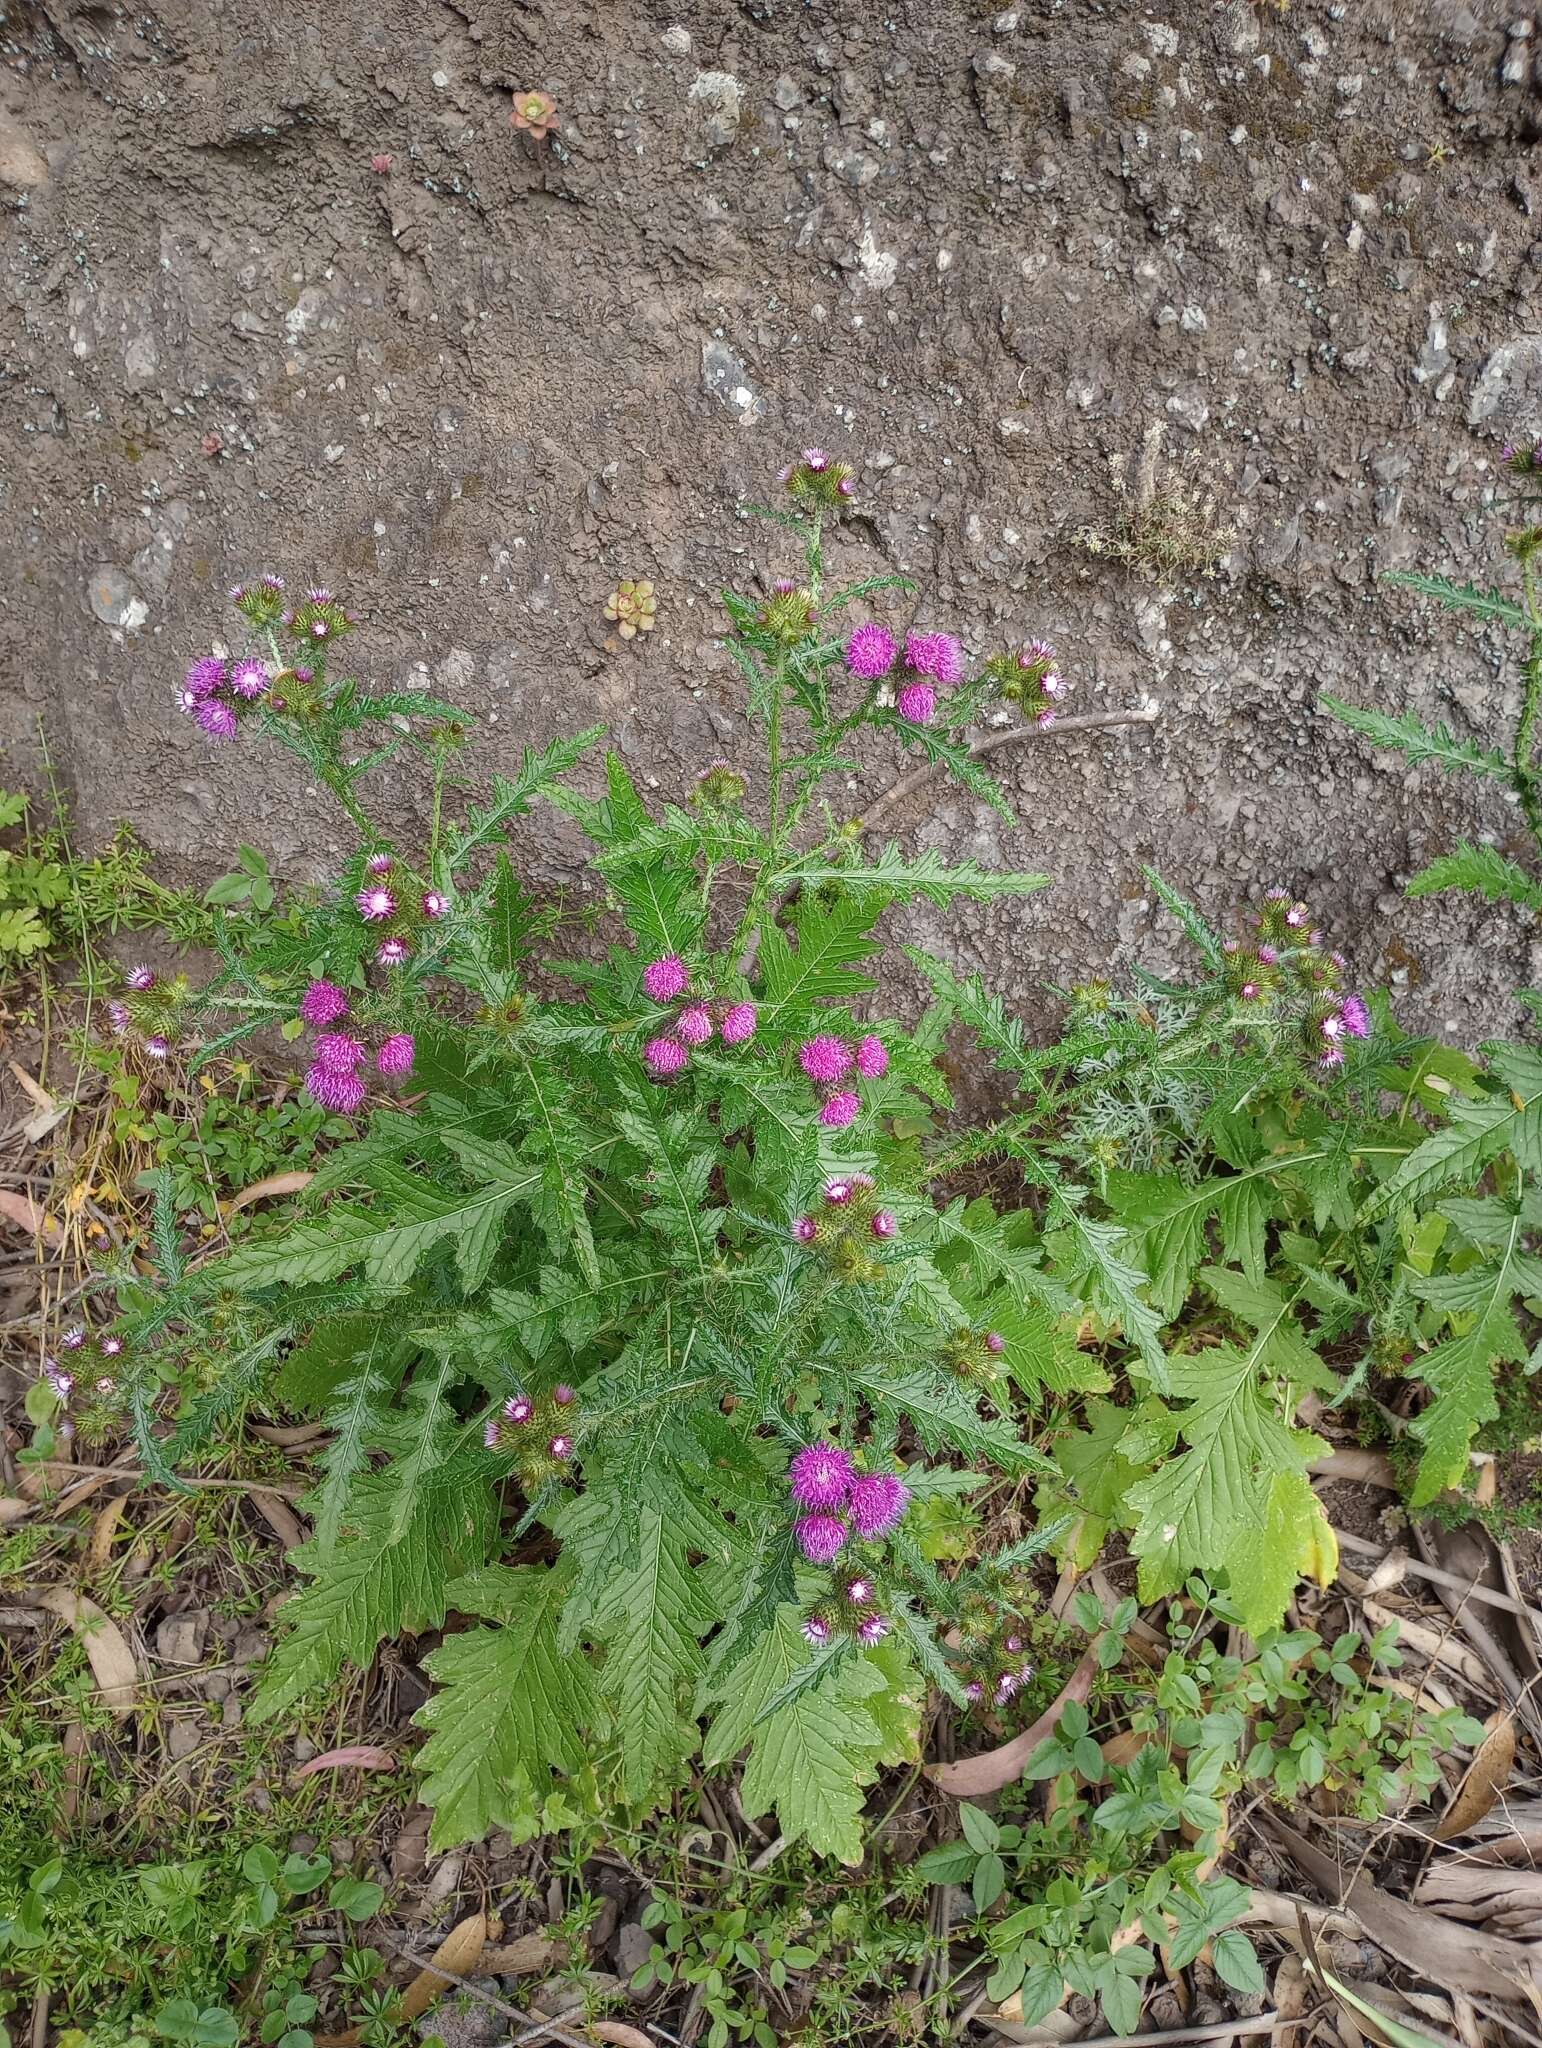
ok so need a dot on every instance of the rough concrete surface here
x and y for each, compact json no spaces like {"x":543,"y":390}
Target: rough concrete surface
{"x":975,"y":250}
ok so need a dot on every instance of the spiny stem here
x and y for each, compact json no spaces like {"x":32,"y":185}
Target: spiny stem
{"x":1526,"y":778}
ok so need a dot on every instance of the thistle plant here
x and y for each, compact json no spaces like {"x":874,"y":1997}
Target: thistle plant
{"x":644,"y":1325}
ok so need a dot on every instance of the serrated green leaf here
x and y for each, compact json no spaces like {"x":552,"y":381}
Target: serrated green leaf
{"x":925,"y":874}
{"x":1484,"y":871}
{"x":1407,"y":734}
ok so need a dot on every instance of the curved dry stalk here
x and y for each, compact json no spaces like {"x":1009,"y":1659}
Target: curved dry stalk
{"x":1145,"y":713}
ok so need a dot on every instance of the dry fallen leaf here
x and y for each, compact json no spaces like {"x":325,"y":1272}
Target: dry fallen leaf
{"x":623,"y":2035}
{"x":1487,"y":1776}
{"x":99,"y":1549}
{"x":275,"y":1184}
{"x":1435,"y":1948}
{"x":972,"y":1776}
{"x":25,"y":1213}
{"x":111,"y":1659}
{"x":459,"y":1953}
{"x":362,"y":1756}
{"x":525,"y":1957}
{"x":1506,"y":1902}
{"x":280,"y":1518}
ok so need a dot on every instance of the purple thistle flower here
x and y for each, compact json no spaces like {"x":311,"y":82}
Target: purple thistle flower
{"x":840,"y":1109}
{"x":885,"y":1223}
{"x":378,"y":864}
{"x":739,"y":1023}
{"x":273,"y":583}
{"x":396,"y":1055}
{"x":837,"y":1192}
{"x":1036,"y":650}
{"x":105,"y":1384}
{"x":217,"y":718}
{"x":563,"y":1394}
{"x":870,"y":652}
{"x":205,"y":678}
{"x":694,"y":1024}
{"x":1296,"y":915}
{"x":1330,"y":1058}
{"x":1357,"y":1018}
{"x":916,"y":703}
{"x":816,"y":1630}
{"x":783,"y":587}
{"x":937,"y":655}
{"x":339,"y":1052}
{"x":825,"y":1058}
{"x":974,"y":1691}
{"x":58,"y":1379}
{"x":804,"y":1230}
{"x":1249,"y":992}
{"x":1332,"y":1027}
{"x":665,"y":1057}
{"x":140,"y":979}
{"x":1054,"y":684}
{"x":821,"y":1538}
{"x":491,"y":1433}
{"x":323,"y":1003}
{"x":844,"y":486}
{"x":119,"y":1018}
{"x":1269,"y":955}
{"x":878,"y":1501}
{"x":995,"y":1343}
{"x":560,"y":1447}
{"x":859,"y":1591}
{"x":816,"y":458}
{"x":392,"y":952}
{"x":157,"y":1048}
{"x":820,"y":1476}
{"x":375,"y":903}
{"x":862,"y":1181}
{"x":435,"y":904}
{"x":73,"y":1337}
{"x":872,"y":1058}
{"x":249,"y":678}
{"x":665,"y":979}
{"x":1006,"y":1685}
{"x":518,"y":1408}
{"x":873,"y":1630}
{"x":341,"y":1092}
{"x":111,"y":1346}
{"x":1013,"y":1644}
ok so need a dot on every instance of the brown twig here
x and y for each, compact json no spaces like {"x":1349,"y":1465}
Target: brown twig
{"x":1146,"y":713}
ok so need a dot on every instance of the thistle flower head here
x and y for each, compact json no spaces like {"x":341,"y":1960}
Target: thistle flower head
{"x":877,"y":1503}
{"x":665,"y":979}
{"x":816,"y":1630}
{"x":140,"y":979}
{"x":118,"y":1017}
{"x":110,"y":1346}
{"x":804,"y":1230}
{"x":491,"y":1433}
{"x":73,"y":1338}
{"x":435,"y":904}
{"x":563,"y":1394}
{"x":392,"y":952}
{"x":837,"y":1193}
{"x":719,"y":786}
{"x":560,"y":1447}
{"x":788,"y":615}
{"x":1006,"y":1685}
{"x":379,"y":864}
{"x":665,"y":1057}
{"x":205,"y":678}
{"x":820,"y":1476}
{"x":840,"y":1109}
{"x":157,"y":1048}
{"x":885,"y":1223}
{"x":872,"y":1058}
{"x":916,"y":703}
{"x":217,"y":718}
{"x":824,"y":482}
{"x":873,"y":1629}
{"x":319,"y":619}
{"x":739,"y":1022}
{"x":338,"y":1090}
{"x":375,"y":903}
{"x":249,"y":678}
{"x":858,"y":1591}
{"x":1356,"y":1017}
{"x":974,"y":1691}
{"x":995,"y":1343}
{"x":938,"y":655}
{"x":105,"y":1384}
{"x":323,"y":1003}
{"x":870,"y":652}
{"x":61,"y":1381}
{"x":825,"y":1058}
{"x":340,"y":1052}
{"x":518,"y":1409}
{"x":821,"y":1538}
{"x":694,"y":1024}
{"x":396,"y":1055}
